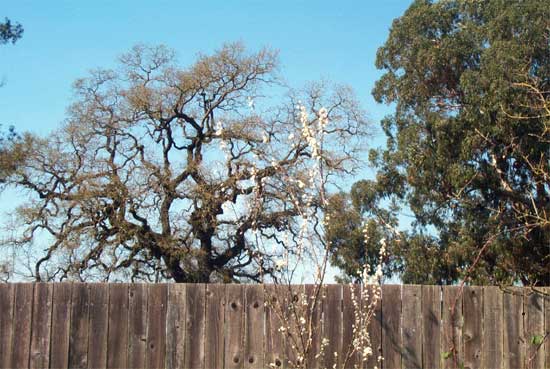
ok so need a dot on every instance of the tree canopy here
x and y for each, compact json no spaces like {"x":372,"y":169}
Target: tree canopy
{"x":468,"y":146}
{"x":10,"y":32}
{"x":194,"y":174}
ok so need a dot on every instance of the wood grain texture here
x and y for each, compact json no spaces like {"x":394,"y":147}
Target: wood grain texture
{"x":61,"y":323}
{"x":332,"y":324}
{"x":214,"y":326}
{"x":451,"y":327}
{"x":254,"y":328}
{"x":534,"y":328}
{"x":156,"y":326}
{"x":275,"y":339}
{"x":431,"y":326}
{"x":99,"y":325}
{"x":137,"y":324}
{"x":195,"y":324}
{"x":349,"y":357}
{"x":411,"y":333}
{"x":117,"y":354}
{"x":546,"y":345}
{"x":7,"y":303}
{"x":391,"y":326}
{"x":513,"y":328}
{"x":492,"y":353}
{"x":78,"y":338}
{"x":41,"y":326}
{"x":472,"y":309}
{"x":175,"y":326}
{"x":375,"y":325}
{"x":234,"y":323}
{"x":22,"y":325}
{"x":314,"y":313}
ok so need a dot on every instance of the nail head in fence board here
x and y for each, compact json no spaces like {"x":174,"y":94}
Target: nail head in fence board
{"x":431,"y":326}
{"x":391,"y":326}
{"x":6,"y":323}
{"x":332,"y":324}
{"x":534,"y":309}
{"x":98,"y":326}
{"x":137,"y":324}
{"x":451,"y":333}
{"x":215,"y":310}
{"x":234,"y":323}
{"x":513,"y":327}
{"x":472,"y":308}
{"x":61,"y":322}
{"x":156,"y":325}
{"x":348,"y":319}
{"x":254,"y":332}
{"x":492,"y":328}
{"x":412,"y":326}
{"x":375,"y":328}
{"x":290,"y":297}
{"x":78,"y":339}
{"x":275,"y":340}
{"x":175,"y":326}
{"x":117,"y":339}
{"x":194,"y":329}
{"x":41,"y":326}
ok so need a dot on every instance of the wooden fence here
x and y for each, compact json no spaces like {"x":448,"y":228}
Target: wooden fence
{"x":77,"y":325}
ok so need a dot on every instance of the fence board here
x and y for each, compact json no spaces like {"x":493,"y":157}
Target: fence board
{"x":61,"y":322}
{"x":431,"y":326}
{"x":492,"y":328}
{"x":412,"y":326}
{"x":6,"y":323}
{"x":98,"y":328}
{"x":472,"y":306}
{"x":375,"y":325}
{"x":254,"y":332}
{"x":314,"y":311}
{"x":214,"y":326}
{"x":41,"y":326}
{"x":175,"y":326}
{"x":275,"y":340}
{"x":451,"y":319}
{"x":546,"y":295}
{"x":194,"y":330}
{"x":78,"y":339}
{"x":534,"y":310}
{"x":234,"y":333}
{"x":332,"y":324}
{"x":117,"y":355}
{"x":22,"y":325}
{"x":137,"y":325}
{"x":391,"y":326}
{"x":156,"y":325}
{"x":513,"y":327}
{"x":348,"y":319}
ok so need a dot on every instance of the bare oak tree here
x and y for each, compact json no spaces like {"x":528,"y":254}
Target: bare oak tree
{"x":162,"y":172}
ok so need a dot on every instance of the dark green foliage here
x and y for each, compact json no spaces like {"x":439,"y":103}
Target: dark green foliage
{"x":10,"y":32}
{"x":468,"y":145}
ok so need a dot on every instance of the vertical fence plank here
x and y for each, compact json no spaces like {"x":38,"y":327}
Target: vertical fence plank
{"x":534,"y":309}
{"x":391,"y":326}
{"x":117,"y":340}
{"x":313,"y":295}
{"x":156,"y":326}
{"x":546,"y":294}
{"x":332,"y":324}
{"x":375,"y":326}
{"x":137,"y":324}
{"x":513,"y":328}
{"x":349,"y":357}
{"x":61,"y":322}
{"x":275,"y":340}
{"x":41,"y":326}
{"x":431,"y":326}
{"x":412,"y":326}
{"x":492,"y":328}
{"x":194,"y":329}
{"x":451,"y":334}
{"x":22,"y":325}
{"x":175,"y":326}
{"x":234,"y":334}
{"x":472,"y":308}
{"x":254,"y":331}
{"x":78,"y":339}
{"x":98,"y":328}
{"x":213,"y":334}
{"x":6,"y":323}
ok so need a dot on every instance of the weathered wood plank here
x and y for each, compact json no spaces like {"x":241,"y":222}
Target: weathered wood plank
{"x":291,"y":311}
{"x":373,"y":300}
{"x":472,"y":308}
{"x":513,"y":328}
{"x":99,"y":325}
{"x":391,"y":326}
{"x":546,"y":295}
{"x":195,"y":324}
{"x":492,"y":328}
{"x":117,"y":340}
{"x":451,"y":328}
{"x":275,"y":339}
{"x":137,"y":324}
{"x":234,"y":333}
{"x":313,"y":294}
{"x":431,"y":326}
{"x":78,"y":339}
{"x":156,"y":326}
{"x":6,"y":323}
{"x":61,"y":323}
{"x":254,"y":330}
{"x":534,"y":329}
{"x":350,"y":358}
{"x":332,"y":324}
{"x":175,"y":326}
{"x":214,"y":326}
{"x":22,"y":325}
{"x":412,"y":326}
{"x":41,"y":326}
